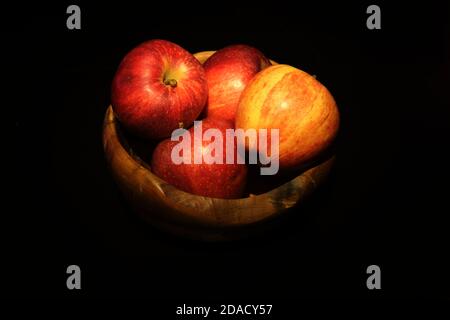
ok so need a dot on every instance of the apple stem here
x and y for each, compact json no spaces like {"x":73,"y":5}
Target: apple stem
{"x":170,"y":82}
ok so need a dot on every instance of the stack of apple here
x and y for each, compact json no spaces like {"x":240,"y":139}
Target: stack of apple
{"x":160,"y":87}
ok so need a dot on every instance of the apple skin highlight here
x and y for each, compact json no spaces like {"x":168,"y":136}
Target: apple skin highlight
{"x":158,"y":87}
{"x":228,"y":71}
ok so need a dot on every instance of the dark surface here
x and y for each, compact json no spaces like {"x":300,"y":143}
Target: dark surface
{"x":384,"y":204}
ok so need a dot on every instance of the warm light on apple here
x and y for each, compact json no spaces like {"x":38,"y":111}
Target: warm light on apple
{"x":194,"y":173}
{"x":285,"y":98}
{"x":157,"y":88}
{"x":228,"y":71}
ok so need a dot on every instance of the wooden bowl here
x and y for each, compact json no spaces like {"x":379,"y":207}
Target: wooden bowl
{"x":193,"y":216}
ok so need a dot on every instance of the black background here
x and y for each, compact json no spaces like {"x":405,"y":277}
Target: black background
{"x":384,"y":204}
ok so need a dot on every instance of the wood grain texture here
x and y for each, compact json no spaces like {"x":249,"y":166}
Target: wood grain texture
{"x":190,"y":215}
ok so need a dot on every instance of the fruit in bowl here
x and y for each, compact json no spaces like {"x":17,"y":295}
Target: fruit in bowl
{"x":228,"y":71}
{"x":299,"y":106}
{"x":158,"y":87}
{"x":210,"y":201}
{"x":216,"y":180}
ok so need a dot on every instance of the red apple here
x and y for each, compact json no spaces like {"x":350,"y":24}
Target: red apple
{"x":206,"y":179}
{"x":294,"y":102}
{"x":157,"y":88}
{"x":228,"y":71}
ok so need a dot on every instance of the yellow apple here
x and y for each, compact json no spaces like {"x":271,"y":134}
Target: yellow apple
{"x":285,"y":98}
